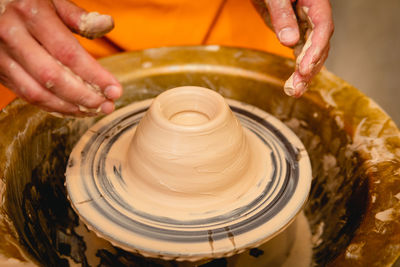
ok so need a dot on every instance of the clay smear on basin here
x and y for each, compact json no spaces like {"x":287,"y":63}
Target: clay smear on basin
{"x":182,"y":177}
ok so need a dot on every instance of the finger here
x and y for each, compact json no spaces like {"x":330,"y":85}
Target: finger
{"x":59,"y":42}
{"x":284,"y":21}
{"x":297,"y":83}
{"x":44,"y":68}
{"x":90,"y":25}
{"x":320,"y":63}
{"x":319,"y":15}
{"x":28,"y":89}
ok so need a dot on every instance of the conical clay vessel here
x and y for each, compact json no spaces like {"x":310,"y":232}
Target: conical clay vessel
{"x":188,"y":176}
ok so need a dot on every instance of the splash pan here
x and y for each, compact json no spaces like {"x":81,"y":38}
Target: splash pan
{"x":354,"y":149}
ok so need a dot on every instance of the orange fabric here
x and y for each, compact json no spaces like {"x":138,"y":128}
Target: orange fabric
{"x":141,"y":24}
{"x":240,"y":25}
{"x":6,"y":96}
{"x":100,"y":47}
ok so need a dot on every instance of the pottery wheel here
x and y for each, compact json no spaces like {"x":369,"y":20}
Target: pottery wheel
{"x":173,"y":226}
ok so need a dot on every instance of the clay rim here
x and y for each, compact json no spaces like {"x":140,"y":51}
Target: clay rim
{"x":183,"y":250}
{"x":166,"y":123}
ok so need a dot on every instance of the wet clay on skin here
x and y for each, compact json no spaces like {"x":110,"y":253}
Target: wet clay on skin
{"x":300,"y":51}
{"x":93,"y":25}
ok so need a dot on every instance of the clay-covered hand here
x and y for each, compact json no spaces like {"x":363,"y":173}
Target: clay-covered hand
{"x":43,"y":63}
{"x":307,"y":26}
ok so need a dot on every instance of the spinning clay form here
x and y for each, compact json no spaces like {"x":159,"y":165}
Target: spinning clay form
{"x":188,"y":175}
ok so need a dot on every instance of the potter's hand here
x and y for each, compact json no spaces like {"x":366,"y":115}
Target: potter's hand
{"x":309,"y":34}
{"x":42,"y":62}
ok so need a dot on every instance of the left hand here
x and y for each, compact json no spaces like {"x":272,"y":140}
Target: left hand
{"x":43,"y":63}
{"x":308,"y":30}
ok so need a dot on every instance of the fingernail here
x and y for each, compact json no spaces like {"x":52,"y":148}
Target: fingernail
{"x":107,"y":107}
{"x":112,"y":92}
{"x":287,"y":35}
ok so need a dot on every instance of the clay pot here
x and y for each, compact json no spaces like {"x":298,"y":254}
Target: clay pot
{"x":353,"y":145}
{"x":184,"y":177}
{"x":188,"y":133}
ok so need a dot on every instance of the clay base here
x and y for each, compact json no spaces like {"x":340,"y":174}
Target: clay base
{"x":174,"y":225}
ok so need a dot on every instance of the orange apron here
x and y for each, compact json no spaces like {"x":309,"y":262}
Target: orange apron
{"x":141,"y":24}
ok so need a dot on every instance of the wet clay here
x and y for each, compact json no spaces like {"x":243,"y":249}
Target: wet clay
{"x":93,"y":25}
{"x":290,"y":248}
{"x":193,"y":151}
{"x":71,"y":77}
{"x":184,"y":166}
{"x":300,"y":50}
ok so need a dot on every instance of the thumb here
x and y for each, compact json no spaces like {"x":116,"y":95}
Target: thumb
{"x":90,"y":25}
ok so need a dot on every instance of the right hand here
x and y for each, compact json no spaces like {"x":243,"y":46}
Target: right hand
{"x":43,"y":63}
{"x":308,"y":28}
